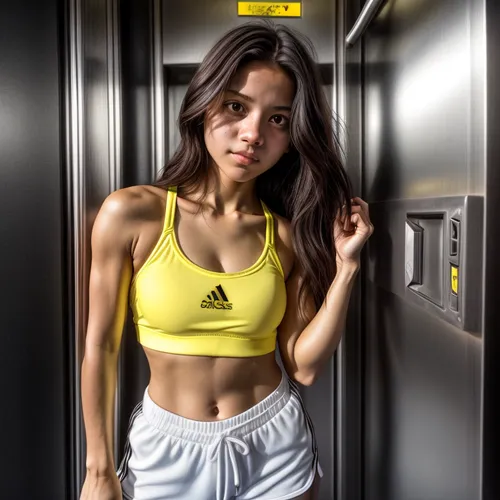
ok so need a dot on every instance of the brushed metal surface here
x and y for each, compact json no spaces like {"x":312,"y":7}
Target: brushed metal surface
{"x":142,"y":122}
{"x":74,"y":206}
{"x":349,"y":362}
{"x":94,"y":146}
{"x":192,"y":26}
{"x":422,"y":129}
{"x":33,"y":302}
{"x":157,"y":103}
{"x":424,"y":112}
{"x":370,"y":9}
{"x":423,"y":404}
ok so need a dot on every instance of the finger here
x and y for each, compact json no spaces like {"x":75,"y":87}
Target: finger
{"x":362,"y":223}
{"x":363,"y":213}
{"x":342,"y":217}
{"x":356,"y":209}
{"x":362,"y":203}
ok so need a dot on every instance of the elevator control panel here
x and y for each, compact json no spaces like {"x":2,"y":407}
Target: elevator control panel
{"x":443,"y":257}
{"x":429,"y":252}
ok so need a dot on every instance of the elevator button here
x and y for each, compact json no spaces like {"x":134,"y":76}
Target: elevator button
{"x":454,"y":279}
{"x":454,"y":237}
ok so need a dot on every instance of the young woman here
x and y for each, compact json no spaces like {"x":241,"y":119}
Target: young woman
{"x":249,"y":239}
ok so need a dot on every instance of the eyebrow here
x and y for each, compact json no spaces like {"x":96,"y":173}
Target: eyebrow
{"x":249,"y":99}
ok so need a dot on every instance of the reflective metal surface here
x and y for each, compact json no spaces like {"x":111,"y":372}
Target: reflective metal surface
{"x":77,"y":288}
{"x":420,"y":139}
{"x":424,"y":118}
{"x":348,"y":374}
{"x":158,"y":109}
{"x":94,"y":146}
{"x":33,"y":296}
{"x":370,"y":8}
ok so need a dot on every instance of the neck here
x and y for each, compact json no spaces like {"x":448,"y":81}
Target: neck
{"x":225,"y":196}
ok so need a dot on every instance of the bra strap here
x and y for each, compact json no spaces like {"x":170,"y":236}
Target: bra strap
{"x":269,"y":226}
{"x":170,"y":206}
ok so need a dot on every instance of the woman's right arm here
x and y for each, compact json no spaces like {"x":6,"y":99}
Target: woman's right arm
{"x":110,"y":276}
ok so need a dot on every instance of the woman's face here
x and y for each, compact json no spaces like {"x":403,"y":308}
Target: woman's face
{"x":250,"y":133}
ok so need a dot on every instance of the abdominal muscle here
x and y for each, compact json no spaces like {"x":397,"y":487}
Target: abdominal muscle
{"x":210,"y":388}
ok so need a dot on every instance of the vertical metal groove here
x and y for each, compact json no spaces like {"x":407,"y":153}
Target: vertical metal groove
{"x":339,"y":83}
{"x":114,"y":151}
{"x":114,"y":95}
{"x":157,"y":101}
{"x":76,"y":206}
{"x":339,"y":77}
{"x":76,"y":189}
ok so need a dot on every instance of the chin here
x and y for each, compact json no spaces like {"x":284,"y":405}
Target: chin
{"x":238,"y":173}
{"x":243,"y":176}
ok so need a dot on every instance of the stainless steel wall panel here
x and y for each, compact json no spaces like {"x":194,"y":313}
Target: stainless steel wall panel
{"x":349,"y":360}
{"x":142,"y":120}
{"x":33,"y":305}
{"x":422,"y":129}
{"x":191,"y":27}
{"x":424,"y":114}
{"x":423,"y":404}
{"x":93,"y":112}
{"x":320,"y":401}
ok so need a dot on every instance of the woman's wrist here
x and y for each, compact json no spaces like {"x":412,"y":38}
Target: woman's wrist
{"x":348,"y":268}
{"x":100,"y":468}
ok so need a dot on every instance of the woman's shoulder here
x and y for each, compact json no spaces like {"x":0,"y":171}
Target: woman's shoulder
{"x":125,"y":212}
{"x":135,"y":203}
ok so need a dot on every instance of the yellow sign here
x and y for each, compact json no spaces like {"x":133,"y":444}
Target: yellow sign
{"x":454,"y":280}
{"x":270,"y":9}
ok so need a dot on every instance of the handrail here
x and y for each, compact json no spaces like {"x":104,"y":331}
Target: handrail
{"x":369,"y":10}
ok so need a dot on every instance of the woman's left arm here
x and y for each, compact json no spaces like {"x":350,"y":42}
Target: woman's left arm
{"x":306,"y":344}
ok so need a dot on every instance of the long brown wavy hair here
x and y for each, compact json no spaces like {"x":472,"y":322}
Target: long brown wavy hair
{"x":308,"y":185}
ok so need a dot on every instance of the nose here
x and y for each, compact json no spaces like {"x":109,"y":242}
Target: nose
{"x":251,"y":131}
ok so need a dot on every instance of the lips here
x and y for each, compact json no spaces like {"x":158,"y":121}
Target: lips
{"x":244,"y":158}
{"x":250,"y":156}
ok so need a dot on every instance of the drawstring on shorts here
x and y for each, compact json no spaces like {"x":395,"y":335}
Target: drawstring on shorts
{"x":232,"y":443}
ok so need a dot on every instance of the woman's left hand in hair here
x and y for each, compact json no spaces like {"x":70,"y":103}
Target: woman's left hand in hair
{"x":352,"y":233}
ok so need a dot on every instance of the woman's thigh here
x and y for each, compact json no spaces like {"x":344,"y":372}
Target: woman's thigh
{"x":313,"y":492}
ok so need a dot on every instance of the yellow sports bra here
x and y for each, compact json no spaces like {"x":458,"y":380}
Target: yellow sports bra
{"x":181,"y":308}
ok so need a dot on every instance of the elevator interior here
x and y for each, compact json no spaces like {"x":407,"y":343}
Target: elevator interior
{"x":89,"y":92}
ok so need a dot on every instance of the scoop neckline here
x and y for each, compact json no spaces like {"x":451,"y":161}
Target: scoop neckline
{"x":257,"y":264}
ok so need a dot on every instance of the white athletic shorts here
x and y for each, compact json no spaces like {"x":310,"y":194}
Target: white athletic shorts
{"x":267,"y":453}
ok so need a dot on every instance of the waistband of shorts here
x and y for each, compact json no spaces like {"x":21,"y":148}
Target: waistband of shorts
{"x":204,"y":432}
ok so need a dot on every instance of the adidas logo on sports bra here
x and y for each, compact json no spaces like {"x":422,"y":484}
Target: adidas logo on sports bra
{"x":216,"y":300}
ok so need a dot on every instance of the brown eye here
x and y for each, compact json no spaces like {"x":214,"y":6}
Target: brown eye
{"x":236,"y":107}
{"x":280,"y":120}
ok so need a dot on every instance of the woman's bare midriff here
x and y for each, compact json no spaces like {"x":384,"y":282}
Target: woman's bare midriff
{"x":210,"y":388}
